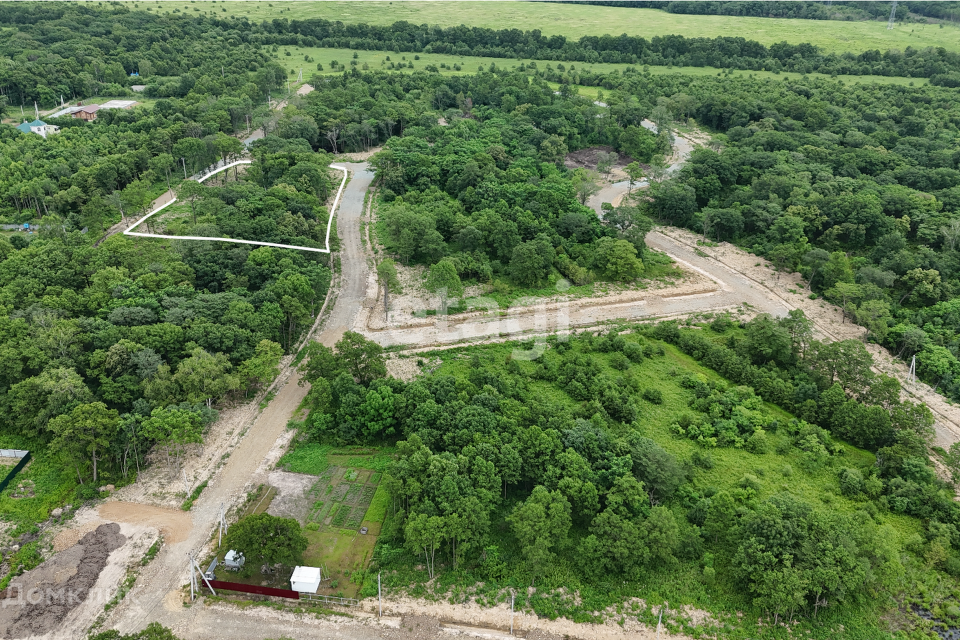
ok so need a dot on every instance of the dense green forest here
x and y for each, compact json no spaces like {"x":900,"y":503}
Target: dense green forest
{"x":858,"y":188}
{"x":116,"y":350}
{"x":736,"y":467}
{"x":805,"y":10}
{"x":76,"y":50}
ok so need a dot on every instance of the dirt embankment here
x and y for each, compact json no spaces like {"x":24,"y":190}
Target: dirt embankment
{"x":38,"y":601}
{"x":790,"y":289}
{"x":589,"y":159}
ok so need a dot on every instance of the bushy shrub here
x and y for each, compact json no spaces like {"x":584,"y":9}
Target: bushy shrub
{"x":851,"y":482}
{"x":653,"y":395}
{"x":757,"y":443}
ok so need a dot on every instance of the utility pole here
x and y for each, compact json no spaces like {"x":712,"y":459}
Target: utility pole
{"x":197,"y":567}
{"x":223,"y":525}
{"x":893,"y":14}
{"x":512,"y":596}
{"x":379,"y":595}
{"x":184,"y":168}
{"x":193,"y":580}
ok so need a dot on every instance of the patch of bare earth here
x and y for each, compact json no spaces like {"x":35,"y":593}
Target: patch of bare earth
{"x":403,"y":367}
{"x":291,"y":489}
{"x":60,"y":597}
{"x":415,"y":298}
{"x":589,"y":159}
{"x":497,"y":620}
{"x":358,"y":156}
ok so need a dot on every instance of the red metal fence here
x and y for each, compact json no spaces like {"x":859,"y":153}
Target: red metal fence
{"x":253,"y":588}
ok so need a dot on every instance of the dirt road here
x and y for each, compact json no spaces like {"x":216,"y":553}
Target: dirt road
{"x":750,"y":279}
{"x":354,"y":271}
{"x":153,"y":598}
{"x":156,"y":596}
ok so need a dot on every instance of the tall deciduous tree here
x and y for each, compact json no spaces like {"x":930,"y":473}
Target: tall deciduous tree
{"x":173,"y":430}
{"x":205,"y":377}
{"x":85,"y":434}
{"x":263,"y":366}
{"x":267,"y":540}
{"x":444,"y":281}
{"x":362,"y":358}
{"x":541,"y":524}
{"x":387,"y":276}
{"x":424,"y":534}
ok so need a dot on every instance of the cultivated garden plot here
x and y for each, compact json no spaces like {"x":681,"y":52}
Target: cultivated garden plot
{"x":334,"y":498}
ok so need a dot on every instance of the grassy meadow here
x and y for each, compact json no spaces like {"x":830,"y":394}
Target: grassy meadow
{"x":575,"y":21}
{"x":381,"y":60}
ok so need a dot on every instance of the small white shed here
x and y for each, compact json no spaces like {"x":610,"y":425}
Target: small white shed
{"x":305,"y":579}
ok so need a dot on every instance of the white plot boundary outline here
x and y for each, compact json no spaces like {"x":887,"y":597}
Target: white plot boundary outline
{"x":333,"y":209}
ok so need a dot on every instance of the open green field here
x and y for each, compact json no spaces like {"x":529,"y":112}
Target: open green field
{"x":575,"y":21}
{"x":469,"y":64}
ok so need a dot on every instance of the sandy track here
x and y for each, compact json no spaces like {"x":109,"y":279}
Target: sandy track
{"x":789,"y":292}
{"x":355,"y":273}
{"x":156,"y":594}
{"x":710,"y":286}
{"x":174,"y":524}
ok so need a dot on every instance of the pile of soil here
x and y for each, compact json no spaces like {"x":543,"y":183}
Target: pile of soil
{"x":587,"y":158}
{"x":38,"y":601}
{"x":419,"y":628}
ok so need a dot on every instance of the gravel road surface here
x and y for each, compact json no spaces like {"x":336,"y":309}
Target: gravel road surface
{"x":153,"y":598}
{"x":353,"y":272}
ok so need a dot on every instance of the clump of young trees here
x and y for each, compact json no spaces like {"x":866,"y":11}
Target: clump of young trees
{"x":500,"y":479}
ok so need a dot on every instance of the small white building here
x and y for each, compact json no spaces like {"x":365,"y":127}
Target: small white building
{"x":305,"y":579}
{"x":233,"y":561}
{"x":38,"y":127}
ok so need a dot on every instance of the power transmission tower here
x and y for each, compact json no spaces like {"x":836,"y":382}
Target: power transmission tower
{"x":893,"y":14}
{"x":913,"y":370}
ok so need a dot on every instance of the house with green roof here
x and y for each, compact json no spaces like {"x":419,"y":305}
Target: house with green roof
{"x":38,"y":127}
